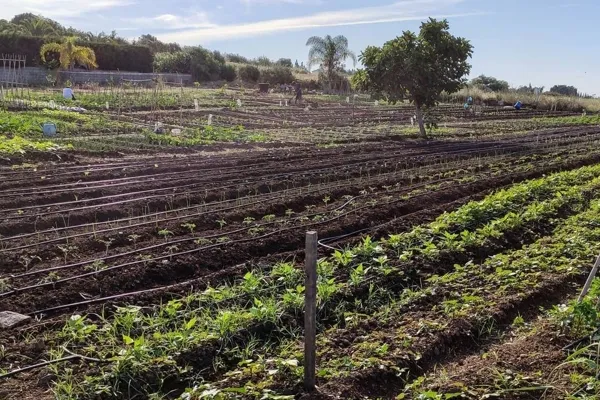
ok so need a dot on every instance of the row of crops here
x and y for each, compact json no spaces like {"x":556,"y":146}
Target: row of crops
{"x":386,"y":307}
{"x":72,"y":235}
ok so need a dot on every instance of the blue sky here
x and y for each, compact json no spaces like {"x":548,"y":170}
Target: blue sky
{"x":529,"y":41}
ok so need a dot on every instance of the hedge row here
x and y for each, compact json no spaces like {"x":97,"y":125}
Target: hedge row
{"x":109,"y":56}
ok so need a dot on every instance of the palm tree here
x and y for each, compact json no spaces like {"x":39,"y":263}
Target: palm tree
{"x":37,"y":27}
{"x":70,"y":53}
{"x":329,"y":53}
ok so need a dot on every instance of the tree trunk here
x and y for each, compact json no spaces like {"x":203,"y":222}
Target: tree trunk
{"x":419,"y":114}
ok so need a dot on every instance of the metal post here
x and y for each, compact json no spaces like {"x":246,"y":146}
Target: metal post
{"x":310,"y":302}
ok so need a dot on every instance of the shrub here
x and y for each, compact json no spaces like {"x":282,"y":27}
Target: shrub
{"x":277,"y":75}
{"x":339,"y":83}
{"x":236,"y":58}
{"x":108,"y":56}
{"x":264,"y":61}
{"x":178,"y":62}
{"x":203,"y":64}
{"x":249,"y":73}
{"x":285,"y":62}
{"x":228,"y":73}
{"x":121,"y":57}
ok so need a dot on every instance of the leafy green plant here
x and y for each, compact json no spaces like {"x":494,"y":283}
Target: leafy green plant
{"x":165,"y":234}
{"x":189,"y":226}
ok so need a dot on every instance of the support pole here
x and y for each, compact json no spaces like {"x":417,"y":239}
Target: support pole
{"x":310,"y":313}
{"x":589,"y":281}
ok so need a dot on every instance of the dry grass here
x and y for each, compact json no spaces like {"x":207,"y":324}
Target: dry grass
{"x":546,"y":101}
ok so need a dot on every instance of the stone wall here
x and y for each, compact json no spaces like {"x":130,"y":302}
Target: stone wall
{"x":117,"y":77}
{"x":35,"y":76}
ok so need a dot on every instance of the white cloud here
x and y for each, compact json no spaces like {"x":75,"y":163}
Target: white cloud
{"x":400,"y":11}
{"x":57,"y":8}
{"x":196,"y":20}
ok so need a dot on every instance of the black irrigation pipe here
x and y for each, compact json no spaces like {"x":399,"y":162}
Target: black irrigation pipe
{"x":73,"y":356}
{"x":26,"y":288}
{"x":135,"y":251}
{"x":366,"y":160}
{"x":483,"y":176}
{"x":22,"y":289}
{"x":339,"y":183}
{"x":322,"y":242}
{"x":281,"y":194}
{"x":187,"y":193}
{"x":384,"y":175}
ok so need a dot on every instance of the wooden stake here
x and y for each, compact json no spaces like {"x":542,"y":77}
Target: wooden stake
{"x":310,"y":313}
{"x":589,"y":281}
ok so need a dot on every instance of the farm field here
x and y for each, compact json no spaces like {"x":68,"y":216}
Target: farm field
{"x":169,"y":266}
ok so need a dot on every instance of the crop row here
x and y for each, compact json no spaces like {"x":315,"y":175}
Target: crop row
{"x":168,"y":249}
{"x":207,"y":328}
{"x":437,"y":317}
{"x":190,"y":199}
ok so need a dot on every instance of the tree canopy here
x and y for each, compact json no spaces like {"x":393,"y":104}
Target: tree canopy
{"x":329,"y":53}
{"x":418,"y":67}
{"x":565,"y":90}
{"x":155,"y":45}
{"x":491,"y":83}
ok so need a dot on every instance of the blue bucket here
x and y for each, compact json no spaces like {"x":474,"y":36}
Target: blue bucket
{"x":49,"y":129}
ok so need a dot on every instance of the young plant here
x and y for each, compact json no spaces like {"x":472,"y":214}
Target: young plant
{"x":96,"y":266}
{"x":133,"y":239}
{"x":26,"y":261}
{"x":4,"y":285}
{"x":189,"y":226}
{"x":165,"y":233}
{"x":221,"y":223}
{"x":107,"y":243}
{"x":66,"y":250}
{"x":248,"y":220}
{"x":269,"y":218}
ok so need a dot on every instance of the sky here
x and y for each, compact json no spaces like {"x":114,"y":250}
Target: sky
{"x":542,"y":42}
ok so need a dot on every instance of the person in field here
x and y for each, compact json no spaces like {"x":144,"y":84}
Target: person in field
{"x":298,"y":92}
{"x":68,"y":93}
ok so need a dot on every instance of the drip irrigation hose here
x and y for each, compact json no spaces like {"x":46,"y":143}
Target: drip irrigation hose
{"x":381,"y":176}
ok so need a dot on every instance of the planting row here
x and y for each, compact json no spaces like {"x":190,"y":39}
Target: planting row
{"x":242,"y":336}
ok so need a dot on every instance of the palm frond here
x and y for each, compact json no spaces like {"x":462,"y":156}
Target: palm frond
{"x":84,"y":56}
{"x":48,"y":48}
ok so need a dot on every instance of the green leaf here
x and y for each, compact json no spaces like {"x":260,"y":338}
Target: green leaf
{"x":191,"y":323}
{"x":127,"y":340}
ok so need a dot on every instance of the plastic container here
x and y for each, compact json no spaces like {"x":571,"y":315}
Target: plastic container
{"x":49,"y":129}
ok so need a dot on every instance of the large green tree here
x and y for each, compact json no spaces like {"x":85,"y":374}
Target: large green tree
{"x":491,"y":83}
{"x":329,"y":53}
{"x":156,"y":46}
{"x":565,"y":90}
{"x":418,"y":67}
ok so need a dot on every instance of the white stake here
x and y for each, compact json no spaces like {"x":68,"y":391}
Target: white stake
{"x":210,"y":117}
{"x":196,"y":105}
